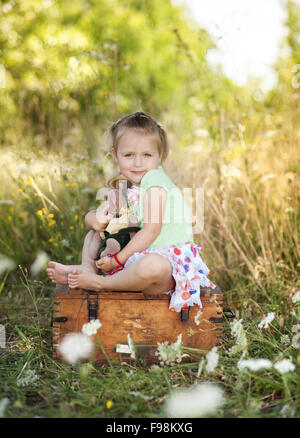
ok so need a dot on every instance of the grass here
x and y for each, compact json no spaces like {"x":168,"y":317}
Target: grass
{"x":250,"y":242}
{"x":135,"y":390}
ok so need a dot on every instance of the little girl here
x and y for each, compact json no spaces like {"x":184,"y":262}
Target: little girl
{"x":161,"y":257}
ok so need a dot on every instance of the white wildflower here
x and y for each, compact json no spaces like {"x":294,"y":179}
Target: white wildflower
{"x":284,"y":366}
{"x":75,"y":207}
{"x":3,"y":403}
{"x":29,"y":378}
{"x":230,"y":172}
{"x":169,"y":354}
{"x":86,"y":190}
{"x":201,"y":132}
{"x":6,"y":264}
{"x":296,"y":341}
{"x":237,"y":330}
{"x":201,"y":363}
{"x":2,"y":336}
{"x":285,"y":340}
{"x":296,"y":328}
{"x":264,"y":323}
{"x":254,"y":364}
{"x":91,"y":327}
{"x":75,"y":346}
{"x":141,"y":395}
{"x":199,"y":401}
{"x":40,"y":263}
{"x":212,"y":358}
{"x":287,"y":411}
{"x":131,"y":347}
{"x":296,"y":297}
{"x":22,"y":169}
{"x":6,"y":201}
{"x":198,"y":317}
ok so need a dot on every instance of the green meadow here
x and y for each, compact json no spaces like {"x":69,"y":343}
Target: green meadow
{"x":67,"y":72}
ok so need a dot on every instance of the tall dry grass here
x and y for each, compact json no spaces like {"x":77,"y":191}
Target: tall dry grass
{"x":251,"y":206}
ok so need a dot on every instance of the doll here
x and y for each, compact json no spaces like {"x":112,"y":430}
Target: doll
{"x":123,"y":224}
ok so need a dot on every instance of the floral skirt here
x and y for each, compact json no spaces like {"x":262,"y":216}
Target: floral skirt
{"x":189,"y":272}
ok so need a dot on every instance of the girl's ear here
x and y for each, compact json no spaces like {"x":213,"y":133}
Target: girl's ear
{"x":114,"y":154}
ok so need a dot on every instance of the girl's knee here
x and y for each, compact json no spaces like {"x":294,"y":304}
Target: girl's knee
{"x":153,"y":266}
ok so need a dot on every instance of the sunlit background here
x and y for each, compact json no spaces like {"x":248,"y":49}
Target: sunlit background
{"x":248,"y":33}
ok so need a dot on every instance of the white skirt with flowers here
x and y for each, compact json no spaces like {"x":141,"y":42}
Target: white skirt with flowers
{"x":189,"y":272}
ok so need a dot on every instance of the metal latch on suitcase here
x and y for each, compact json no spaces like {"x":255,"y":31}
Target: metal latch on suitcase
{"x":228,"y":313}
{"x":93,"y":304}
{"x":184,"y":314}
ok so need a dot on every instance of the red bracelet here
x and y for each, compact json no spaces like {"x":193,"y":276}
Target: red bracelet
{"x":116,"y":259}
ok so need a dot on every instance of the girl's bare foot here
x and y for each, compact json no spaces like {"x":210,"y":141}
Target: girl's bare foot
{"x":58,"y":272}
{"x":80,"y":278}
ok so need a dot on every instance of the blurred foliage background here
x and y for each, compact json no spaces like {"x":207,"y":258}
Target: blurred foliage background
{"x":70,"y":69}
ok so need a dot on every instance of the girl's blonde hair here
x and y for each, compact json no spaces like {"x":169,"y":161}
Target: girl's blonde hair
{"x":142,"y":123}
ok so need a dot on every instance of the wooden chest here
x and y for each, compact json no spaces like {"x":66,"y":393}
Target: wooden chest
{"x":147,"y":321}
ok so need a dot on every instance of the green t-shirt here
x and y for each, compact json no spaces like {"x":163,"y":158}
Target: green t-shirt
{"x":177,"y":221}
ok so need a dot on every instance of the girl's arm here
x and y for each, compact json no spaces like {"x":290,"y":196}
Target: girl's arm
{"x":154,"y":205}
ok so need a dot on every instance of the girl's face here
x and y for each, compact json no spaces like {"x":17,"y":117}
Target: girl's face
{"x":136,"y":155}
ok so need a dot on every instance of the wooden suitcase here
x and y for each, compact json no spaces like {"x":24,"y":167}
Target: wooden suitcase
{"x":147,"y":321}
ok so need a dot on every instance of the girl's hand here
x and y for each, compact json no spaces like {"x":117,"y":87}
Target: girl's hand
{"x":102,"y":216}
{"x":105,"y":264}
{"x":98,"y":220}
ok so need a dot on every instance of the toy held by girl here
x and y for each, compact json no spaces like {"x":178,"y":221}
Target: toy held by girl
{"x":162,"y":256}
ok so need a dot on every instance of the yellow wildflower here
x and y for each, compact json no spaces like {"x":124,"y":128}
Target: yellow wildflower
{"x":109,"y":404}
{"x":76,"y":217}
{"x":51,"y":222}
{"x":71,"y":227}
{"x":51,"y":240}
{"x":9,"y":218}
{"x":50,"y":215}
{"x":68,"y":185}
{"x":251,"y":206}
{"x":29,"y":181}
